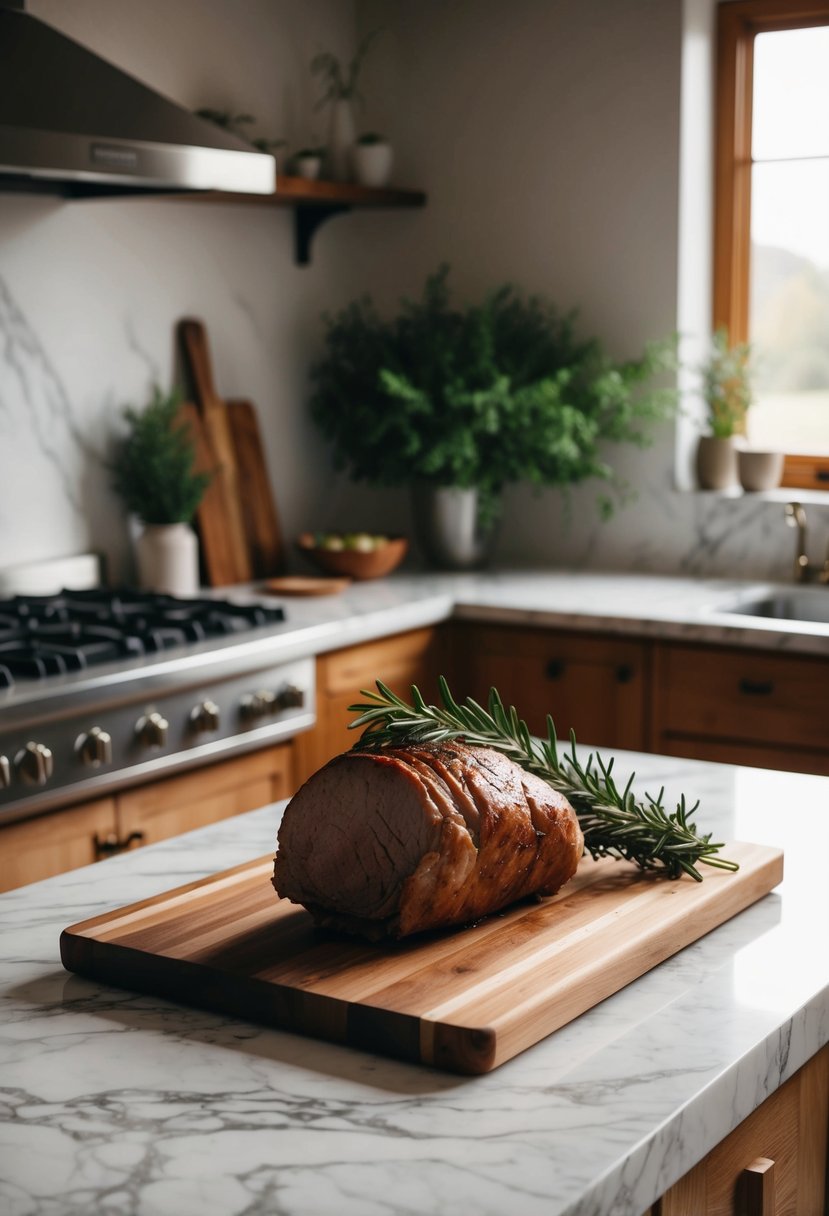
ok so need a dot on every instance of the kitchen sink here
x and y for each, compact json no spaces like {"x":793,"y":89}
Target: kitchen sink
{"x":801,"y":604}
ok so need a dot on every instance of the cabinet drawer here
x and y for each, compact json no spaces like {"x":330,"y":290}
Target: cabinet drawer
{"x":748,"y":695}
{"x":394,"y":660}
{"x":52,"y":844}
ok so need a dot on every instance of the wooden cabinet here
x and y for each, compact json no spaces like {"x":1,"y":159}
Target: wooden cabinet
{"x":63,"y":840}
{"x":399,"y":661}
{"x":595,"y":684}
{"x":741,"y":706}
{"x":773,"y":1164}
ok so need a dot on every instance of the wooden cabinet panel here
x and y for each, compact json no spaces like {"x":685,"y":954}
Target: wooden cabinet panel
{"x":179,"y":804}
{"x":595,"y":684}
{"x":744,"y":695}
{"x":399,"y":661}
{"x":757,"y":755}
{"x":54,"y":843}
{"x":775,"y":1161}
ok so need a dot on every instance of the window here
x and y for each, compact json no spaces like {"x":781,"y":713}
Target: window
{"x":771,"y":268}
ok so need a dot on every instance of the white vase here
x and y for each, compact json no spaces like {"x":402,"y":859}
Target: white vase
{"x":449,"y":528}
{"x":341,"y":137}
{"x":372,"y":163}
{"x":168,"y":559}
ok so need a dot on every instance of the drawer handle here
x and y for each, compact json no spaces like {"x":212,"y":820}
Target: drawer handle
{"x":624,"y":673}
{"x":556,"y":669}
{"x":106,"y":846}
{"x":757,"y":688}
{"x":757,"y":1181}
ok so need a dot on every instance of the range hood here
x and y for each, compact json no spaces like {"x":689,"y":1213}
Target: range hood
{"x":73,"y":124}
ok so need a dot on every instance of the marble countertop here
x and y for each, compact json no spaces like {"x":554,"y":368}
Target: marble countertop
{"x":643,"y":605}
{"x":116,"y":1103}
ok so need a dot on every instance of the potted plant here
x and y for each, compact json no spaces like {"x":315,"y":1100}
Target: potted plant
{"x":340,"y":90}
{"x":727,"y":394}
{"x":307,"y":163}
{"x":371,"y":159}
{"x":153,"y":472}
{"x":459,"y":402}
{"x":237,"y":124}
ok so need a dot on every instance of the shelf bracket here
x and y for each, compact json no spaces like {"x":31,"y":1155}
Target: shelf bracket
{"x":306,"y":221}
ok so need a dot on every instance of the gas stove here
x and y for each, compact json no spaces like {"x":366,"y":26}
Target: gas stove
{"x":104,"y":688}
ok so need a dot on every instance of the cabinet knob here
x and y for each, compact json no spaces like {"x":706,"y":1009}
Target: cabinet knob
{"x":757,"y":688}
{"x":95,"y":747}
{"x":757,"y":1187}
{"x":151,"y":729}
{"x":5,"y":773}
{"x":258,"y":704}
{"x":34,"y":763}
{"x":624,"y":673}
{"x":555,"y":669}
{"x":205,"y":716}
{"x":106,"y":846}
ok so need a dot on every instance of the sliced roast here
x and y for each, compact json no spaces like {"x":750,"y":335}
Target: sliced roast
{"x":396,"y":840}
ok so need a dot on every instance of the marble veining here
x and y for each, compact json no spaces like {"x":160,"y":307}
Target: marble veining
{"x":112,"y":1102}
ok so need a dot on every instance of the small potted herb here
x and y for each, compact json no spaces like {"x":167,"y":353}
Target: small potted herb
{"x":307,"y":163}
{"x":726,"y":391}
{"x":154,"y":474}
{"x":371,"y":159}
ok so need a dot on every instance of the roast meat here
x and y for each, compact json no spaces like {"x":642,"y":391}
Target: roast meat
{"x":396,"y":840}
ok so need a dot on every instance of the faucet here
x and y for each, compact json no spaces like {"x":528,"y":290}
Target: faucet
{"x":803,"y":570}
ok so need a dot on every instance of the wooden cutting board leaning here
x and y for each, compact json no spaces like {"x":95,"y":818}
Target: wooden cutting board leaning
{"x":464,"y":1000}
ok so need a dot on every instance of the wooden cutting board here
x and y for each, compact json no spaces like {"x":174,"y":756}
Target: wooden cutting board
{"x":216,"y":543}
{"x":465,"y":1000}
{"x":261,"y":522}
{"x":193,"y":339}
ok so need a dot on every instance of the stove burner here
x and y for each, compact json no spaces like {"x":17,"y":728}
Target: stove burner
{"x":45,"y":635}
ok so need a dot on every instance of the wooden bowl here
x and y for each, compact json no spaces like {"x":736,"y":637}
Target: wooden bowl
{"x":357,"y":565}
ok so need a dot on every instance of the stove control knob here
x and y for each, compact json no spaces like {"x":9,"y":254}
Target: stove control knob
{"x":258,"y":704}
{"x":5,"y":773}
{"x":290,"y":697}
{"x":205,"y":716}
{"x":34,"y":763}
{"x":151,"y":729}
{"x":95,"y":747}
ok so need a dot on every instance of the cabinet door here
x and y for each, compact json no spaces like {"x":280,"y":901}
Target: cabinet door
{"x":590,"y":683}
{"x":399,"y":661}
{"x":742,"y":707}
{"x":774,"y":1162}
{"x":54,"y":843}
{"x":179,"y":804}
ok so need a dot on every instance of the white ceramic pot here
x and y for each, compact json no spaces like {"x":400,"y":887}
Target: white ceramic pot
{"x":372,"y":163}
{"x":308,"y":167}
{"x":760,"y":470}
{"x":449,"y":528}
{"x":341,"y":137}
{"x":716,"y":463}
{"x":168,"y":559}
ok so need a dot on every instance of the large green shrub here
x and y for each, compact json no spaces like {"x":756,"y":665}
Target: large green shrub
{"x":483,"y":395}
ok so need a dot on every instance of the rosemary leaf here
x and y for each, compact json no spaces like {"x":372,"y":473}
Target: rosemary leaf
{"x":614,"y":823}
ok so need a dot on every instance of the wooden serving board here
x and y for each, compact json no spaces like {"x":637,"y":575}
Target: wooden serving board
{"x":463,"y":1000}
{"x":259,"y":514}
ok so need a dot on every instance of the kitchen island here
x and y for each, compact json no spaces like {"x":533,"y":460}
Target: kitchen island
{"x":114,"y":1102}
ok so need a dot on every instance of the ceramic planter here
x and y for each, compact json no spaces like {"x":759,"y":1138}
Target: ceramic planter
{"x":716,"y":463}
{"x":760,"y":470}
{"x":448,"y":527}
{"x":308,"y":167}
{"x":372,"y":163}
{"x":168,"y":559}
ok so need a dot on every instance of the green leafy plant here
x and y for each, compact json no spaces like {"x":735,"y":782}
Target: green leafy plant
{"x":340,"y":81}
{"x":614,"y":822}
{"x":726,"y":385}
{"x":479,"y":396}
{"x":370,"y":139}
{"x":153,"y":466}
{"x":237,"y":124}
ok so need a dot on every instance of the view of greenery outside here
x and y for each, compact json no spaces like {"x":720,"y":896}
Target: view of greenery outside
{"x":789,"y":299}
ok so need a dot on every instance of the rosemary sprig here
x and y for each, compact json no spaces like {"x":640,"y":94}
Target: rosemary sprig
{"x":614,"y":823}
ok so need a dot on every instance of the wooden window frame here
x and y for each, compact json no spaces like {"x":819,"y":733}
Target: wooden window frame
{"x":738,"y":23}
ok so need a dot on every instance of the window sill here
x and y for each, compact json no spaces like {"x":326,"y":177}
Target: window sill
{"x":784,"y":494}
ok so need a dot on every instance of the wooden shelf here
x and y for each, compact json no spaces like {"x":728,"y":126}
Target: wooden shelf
{"x":314,"y":202}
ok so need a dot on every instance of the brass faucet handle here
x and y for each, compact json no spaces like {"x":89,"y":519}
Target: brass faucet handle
{"x":796,"y":518}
